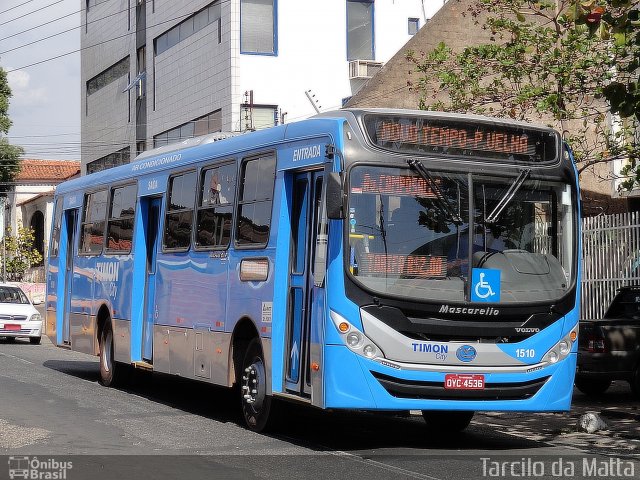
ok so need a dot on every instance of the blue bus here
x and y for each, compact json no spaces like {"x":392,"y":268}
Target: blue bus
{"x":361,"y":259}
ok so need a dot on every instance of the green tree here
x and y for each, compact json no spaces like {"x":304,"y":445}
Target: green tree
{"x":562,"y":62}
{"x":9,"y":154}
{"x":19,"y":253}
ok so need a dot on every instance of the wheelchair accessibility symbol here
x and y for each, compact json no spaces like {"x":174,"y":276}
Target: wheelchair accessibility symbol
{"x":485,"y":285}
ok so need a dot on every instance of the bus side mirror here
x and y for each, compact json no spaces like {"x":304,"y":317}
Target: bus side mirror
{"x":335,"y":209}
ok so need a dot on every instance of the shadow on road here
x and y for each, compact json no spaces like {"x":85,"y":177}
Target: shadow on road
{"x":308,"y":427}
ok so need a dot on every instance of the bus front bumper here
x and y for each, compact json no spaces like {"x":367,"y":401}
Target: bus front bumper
{"x":354,"y":382}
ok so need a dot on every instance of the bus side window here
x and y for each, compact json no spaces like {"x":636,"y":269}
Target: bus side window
{"x":57,"y":222}
{"x":93,"y":221}
{"x":179,"y":218}
{"x":257,"y":179}
{"x":215,"y":206}
{"x":121,"y":213}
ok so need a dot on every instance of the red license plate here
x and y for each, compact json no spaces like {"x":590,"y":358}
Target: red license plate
{"x":455,"y":381}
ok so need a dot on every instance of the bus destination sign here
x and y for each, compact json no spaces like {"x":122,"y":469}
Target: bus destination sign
{"x":458,"y":138}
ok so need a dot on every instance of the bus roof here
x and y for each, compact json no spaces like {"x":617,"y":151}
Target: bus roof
{"x":227,"y":143}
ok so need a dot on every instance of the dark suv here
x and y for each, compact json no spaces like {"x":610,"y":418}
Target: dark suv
{"x":609,"y":348}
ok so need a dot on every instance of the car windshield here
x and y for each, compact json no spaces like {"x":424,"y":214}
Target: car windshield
{"x":12,"y":295}
{"x":626,"y":304}
{"x":409,"y":235}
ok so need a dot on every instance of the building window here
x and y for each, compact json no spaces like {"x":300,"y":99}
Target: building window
{"x":360,"y":30}
{"x":121,"y":157}
{"x":254,"y":206}
{"x":196,"y":22}
{"x":215,"y":205}
{"x":257,"y":117}
{"x":209,"y":123}
{"x":93,"y":220}
{"x":258,"y":27}
{"x":107,"y":76}
{"x":120,"y":225}
{"x":413,"y":26}
{"x":179,"y":219}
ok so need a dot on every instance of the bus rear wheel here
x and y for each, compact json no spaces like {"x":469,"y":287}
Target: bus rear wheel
{"x":592,"y":387}
{"x":109,"y":369}
{"x":447,"y":421}
{"x":256,"y":404}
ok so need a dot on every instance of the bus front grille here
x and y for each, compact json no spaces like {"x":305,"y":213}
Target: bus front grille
{"x":400,"y":388}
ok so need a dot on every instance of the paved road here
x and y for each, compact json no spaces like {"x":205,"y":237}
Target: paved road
{"x":52,"y":405}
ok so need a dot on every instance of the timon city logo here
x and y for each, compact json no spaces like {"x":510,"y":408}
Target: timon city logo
{"x":37,"y":469}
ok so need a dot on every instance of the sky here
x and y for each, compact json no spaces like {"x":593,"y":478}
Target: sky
{"x":45,"y":106}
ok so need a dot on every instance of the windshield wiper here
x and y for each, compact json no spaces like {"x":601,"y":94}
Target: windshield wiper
{"x":507,"y":197}
{"x":442,"y":201}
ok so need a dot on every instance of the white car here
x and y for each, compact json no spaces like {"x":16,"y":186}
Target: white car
{"x":18,"y":316}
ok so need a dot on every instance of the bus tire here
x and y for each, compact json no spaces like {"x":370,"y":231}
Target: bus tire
{"x":447,"y":421}
{"x":109,"y":369}
{"x":256,"y":404}
{"x":592,"y":387}
{"x":635,"y":382}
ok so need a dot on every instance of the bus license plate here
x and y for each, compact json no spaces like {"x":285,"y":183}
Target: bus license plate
{"x":454,"y":381}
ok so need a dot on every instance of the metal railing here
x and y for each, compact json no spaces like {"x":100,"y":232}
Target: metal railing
{"x":610,"y":259}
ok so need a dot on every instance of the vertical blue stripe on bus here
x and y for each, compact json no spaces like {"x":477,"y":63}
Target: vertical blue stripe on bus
{"x":139,"y":278}
{"x":62,"y":271}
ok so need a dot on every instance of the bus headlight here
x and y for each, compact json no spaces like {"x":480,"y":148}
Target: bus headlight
{"x":354,"y":339}
{"x":561,"y":350}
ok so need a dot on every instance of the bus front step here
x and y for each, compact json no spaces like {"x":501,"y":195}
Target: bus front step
{"x":143,"y":365}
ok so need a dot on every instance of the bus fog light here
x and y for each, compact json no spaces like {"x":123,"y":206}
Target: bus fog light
{"x":369,"y":351}
{"x":353,"y":339}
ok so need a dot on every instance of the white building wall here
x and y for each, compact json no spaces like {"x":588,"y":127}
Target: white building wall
{"x":312,"y":52}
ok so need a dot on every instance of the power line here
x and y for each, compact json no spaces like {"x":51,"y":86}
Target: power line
{"x":32,"y":12}
{"x":13,"y":8}
{"x":38,"y":26}
{"x":65,"y":31}
{"x":94,"y":45}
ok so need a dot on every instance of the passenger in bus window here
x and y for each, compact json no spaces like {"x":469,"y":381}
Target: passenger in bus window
{"x":215,"y":192}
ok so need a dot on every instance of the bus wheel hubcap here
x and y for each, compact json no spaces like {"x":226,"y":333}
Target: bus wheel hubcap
{"x":254,"y":385}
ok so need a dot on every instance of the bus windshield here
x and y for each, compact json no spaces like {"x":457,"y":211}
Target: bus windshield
{"x":412,"y":233}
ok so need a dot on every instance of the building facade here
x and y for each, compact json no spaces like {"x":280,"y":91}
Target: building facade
{"x":30,"y":202}
{"x":155,"y":72}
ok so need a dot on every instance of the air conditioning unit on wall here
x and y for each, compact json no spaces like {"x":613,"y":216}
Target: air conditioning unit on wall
{"x":363,"y":69}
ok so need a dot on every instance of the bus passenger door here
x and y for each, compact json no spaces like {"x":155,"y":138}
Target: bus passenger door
{"x":151,"y":228}
{"x":70,"y":222}
{"x":307,"y":189}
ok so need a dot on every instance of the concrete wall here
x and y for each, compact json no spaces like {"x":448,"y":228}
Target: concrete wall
{"x":106,"y":116}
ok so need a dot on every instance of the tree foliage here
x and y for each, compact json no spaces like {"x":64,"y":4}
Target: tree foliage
{"x":20,"y":254}
{"x":563,"y":62}
{"x":9,"y":154}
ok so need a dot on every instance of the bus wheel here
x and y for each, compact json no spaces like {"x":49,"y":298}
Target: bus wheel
{"x":256,"y":404}
{"x":443,"y":421}
{"x":635,"y":382}
{"x":108,"y":367}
